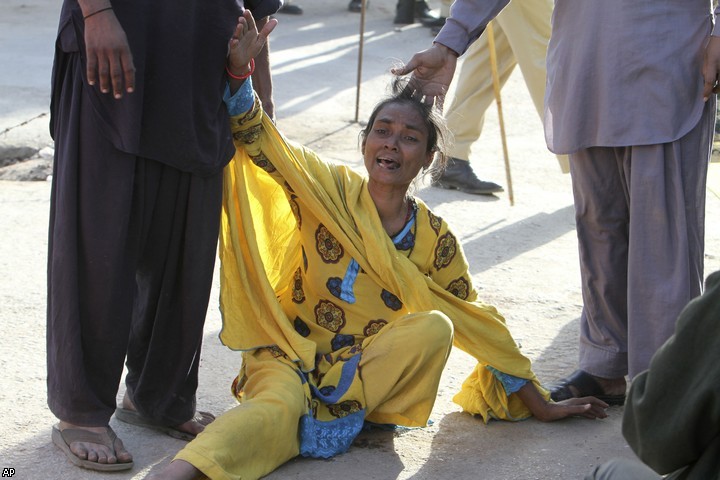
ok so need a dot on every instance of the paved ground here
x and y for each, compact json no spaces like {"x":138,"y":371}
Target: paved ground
{"x":523,"y":259}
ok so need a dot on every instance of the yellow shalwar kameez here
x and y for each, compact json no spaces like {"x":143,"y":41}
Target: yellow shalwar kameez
{"x":338,"y":324}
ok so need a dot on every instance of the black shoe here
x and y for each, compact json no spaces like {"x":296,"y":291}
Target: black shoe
{"x":458,"y":175}
{"x":435,"y":22}
{"x":423,"y":12}
{"x":404,"y":12}
{"x":356,"y":5}
{"x":291,"y":9}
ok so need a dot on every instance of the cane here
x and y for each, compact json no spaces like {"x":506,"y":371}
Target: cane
{"x":360,"y":57}
{"x":496,"y":87}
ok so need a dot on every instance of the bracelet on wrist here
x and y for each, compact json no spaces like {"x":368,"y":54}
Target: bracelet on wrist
{"x":96,"y":12}
{"x":241,"y":77}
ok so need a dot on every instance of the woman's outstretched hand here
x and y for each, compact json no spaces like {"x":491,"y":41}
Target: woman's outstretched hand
{"x":246,"y":43}
{"x":588,"y":407}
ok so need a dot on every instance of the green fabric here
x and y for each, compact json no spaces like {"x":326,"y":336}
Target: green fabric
{"x":672,"y":414}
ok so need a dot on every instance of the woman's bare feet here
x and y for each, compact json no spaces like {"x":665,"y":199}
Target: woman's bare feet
{"x":96,"y":452}
{"x":177,"y":470}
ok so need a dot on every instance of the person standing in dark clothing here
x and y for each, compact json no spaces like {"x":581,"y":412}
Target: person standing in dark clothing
{"x":141,"y":138}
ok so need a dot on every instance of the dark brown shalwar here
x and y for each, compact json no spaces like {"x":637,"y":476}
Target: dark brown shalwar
{"x":135,"y":211}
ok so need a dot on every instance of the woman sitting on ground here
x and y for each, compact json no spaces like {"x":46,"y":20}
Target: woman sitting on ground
{"x":345,"y":294}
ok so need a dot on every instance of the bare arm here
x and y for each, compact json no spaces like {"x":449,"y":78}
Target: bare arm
{"x":588,"y":407}
{"x":432,"y":69}
{"x":262,"y":78}
{"x":246,"y":44}
{"x":711,"y":68}
{"x":109,"y":60}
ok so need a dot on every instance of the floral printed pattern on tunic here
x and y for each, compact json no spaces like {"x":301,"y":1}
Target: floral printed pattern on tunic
{"x":460,"y":288}
{"x":340,"y":341}
{"x":301,"y":327}
{"x":327,"y":390}
{"x":407,"y":242}
{"x":334,"y":285}
{"x":373,"y":327}
{"x":327,"y":246}
{"x":390,"y":300}
{"x":345,"y":408}
{"x":329,"y":316}
{"x":248,"y":136}
{"x":275,"y":351}
{"x":295,"y":209}
{"x":298,"y":295}
{"x":249,"y":117}
{"x":262,"y":161}
{"x":435,"y":222}
{"x":445,"y":250}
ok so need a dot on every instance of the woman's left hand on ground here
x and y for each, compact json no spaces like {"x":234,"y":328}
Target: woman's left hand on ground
{"x":588,"y":407}
{"x":548,"y":411}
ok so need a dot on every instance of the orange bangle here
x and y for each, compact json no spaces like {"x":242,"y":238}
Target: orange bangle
{"x":242,"y":77}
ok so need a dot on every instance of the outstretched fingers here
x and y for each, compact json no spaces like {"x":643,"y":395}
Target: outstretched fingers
{"x":588,"y":407}
{"x":253,"y":39}
{"x":246,"y":42}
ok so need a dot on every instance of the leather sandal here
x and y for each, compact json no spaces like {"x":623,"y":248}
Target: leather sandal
{"x":133,"y":417}
{"x":63,"y":439}
{"x":586,"y":386}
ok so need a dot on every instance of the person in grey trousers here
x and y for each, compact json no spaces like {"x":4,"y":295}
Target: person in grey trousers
{"x":630,"y":98}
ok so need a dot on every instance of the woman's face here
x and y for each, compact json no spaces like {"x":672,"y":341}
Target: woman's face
{"x":395,"y":147}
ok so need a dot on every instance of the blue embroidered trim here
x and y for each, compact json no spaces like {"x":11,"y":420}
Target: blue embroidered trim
{"x":243,"y":99}
{"x":346,"y":287}
{"x":346,"y":379}
{"x":397,"y":239}
{"x":320,"y":439}
{"x":400,"y":241}
{"x":510,"y":383}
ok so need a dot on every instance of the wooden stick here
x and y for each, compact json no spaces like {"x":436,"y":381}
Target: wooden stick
{"x":498,"y":100}
{"x":360,"y":59}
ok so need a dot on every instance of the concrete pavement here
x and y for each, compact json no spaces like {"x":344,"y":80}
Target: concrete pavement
{"x":523,"y":260}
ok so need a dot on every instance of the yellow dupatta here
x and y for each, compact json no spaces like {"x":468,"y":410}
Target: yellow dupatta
{"x":259,"y":245}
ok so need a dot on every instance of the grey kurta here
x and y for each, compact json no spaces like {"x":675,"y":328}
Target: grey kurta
{"x":608,"y":74}
{"x":610,"y":83}
{"x":624,"y":99}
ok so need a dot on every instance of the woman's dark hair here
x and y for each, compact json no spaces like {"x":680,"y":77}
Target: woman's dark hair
{"x":434,"y":122}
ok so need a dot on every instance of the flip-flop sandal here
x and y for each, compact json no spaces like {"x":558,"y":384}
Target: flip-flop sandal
{"x":134,"y":418}
{"x":586,"y":386}
{"x":63,"y":439}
